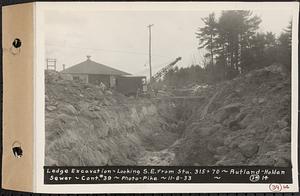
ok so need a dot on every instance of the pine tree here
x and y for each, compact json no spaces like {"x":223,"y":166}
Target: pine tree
{"x":236,"y":28}
{"x":285,"y":47}
{"x":207,"y":36}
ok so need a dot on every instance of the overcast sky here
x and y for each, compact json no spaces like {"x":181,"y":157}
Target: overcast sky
{"x":120,"y":38}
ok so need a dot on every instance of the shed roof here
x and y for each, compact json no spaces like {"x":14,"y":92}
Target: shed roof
{"x":132,"y":76}
{"x":92,"y":67}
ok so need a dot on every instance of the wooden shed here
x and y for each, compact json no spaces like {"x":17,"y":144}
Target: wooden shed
{"x":92,"y":72}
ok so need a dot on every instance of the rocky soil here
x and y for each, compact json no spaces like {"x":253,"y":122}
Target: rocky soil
{"x":245,"y":121}
{"x":86,"y":126}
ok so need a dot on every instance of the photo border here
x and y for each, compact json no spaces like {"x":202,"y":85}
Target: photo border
{"x":149,"y":187}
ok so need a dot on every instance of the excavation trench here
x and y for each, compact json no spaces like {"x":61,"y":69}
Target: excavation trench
{"x":245,"y":121}
{"x":86,"y":126}
{"x":160,"y":146}
{"x":115,"y":132}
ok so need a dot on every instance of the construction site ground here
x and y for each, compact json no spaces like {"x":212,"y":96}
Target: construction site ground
{"x":244,"y":121}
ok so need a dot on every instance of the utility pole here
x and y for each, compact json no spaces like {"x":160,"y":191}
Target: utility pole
{"x":149,"y":26}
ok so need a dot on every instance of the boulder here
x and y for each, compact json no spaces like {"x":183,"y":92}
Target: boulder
{"x":240,"y":116}
{"x":232,"y":107}
{"x":216,"y":128}
{"x":275,"y":68}
{"x":226,"y":111}
{"x":67,"y":109}
{"x":247,"y":120}
{"x":207,"y":131}
{"x":248,"y":148}
{"x":285,"y":135}
{"x":254,"y":100}
{"x":108,"y":92}
{"x":94,"y":108}
{"x":261,"y":100}
{"x":66,"y":121}
{"x":234,"y":158}
{"x":51,"y":108}
{"x":282,"y":123}
{"x":234,"y":125}
{"x":280,"y":162}
{"x":222,"y":150}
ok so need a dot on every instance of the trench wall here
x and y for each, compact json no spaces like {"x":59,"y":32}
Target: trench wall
{"x":91,"y":134}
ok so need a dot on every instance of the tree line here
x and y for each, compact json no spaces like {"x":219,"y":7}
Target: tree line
{"x":232,"y":45}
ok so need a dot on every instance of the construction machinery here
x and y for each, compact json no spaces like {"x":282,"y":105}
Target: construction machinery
{"x":151,"y":89}
{"x":154,"y":86}
{"x":164,"y":70}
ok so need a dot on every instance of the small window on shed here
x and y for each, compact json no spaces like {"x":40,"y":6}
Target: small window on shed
{"x":75,"y":77}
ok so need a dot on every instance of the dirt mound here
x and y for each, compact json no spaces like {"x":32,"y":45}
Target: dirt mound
{"x":245,"y":121}
{"x":88,"y":126}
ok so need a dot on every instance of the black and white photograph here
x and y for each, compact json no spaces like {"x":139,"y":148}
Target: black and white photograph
{"x":148,"y":97}
{"x":168,"y":88}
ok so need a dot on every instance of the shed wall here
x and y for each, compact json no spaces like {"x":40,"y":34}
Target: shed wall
{"x":129,"y":85}
{"x":98,"y":78}
{"x":82,"y":77}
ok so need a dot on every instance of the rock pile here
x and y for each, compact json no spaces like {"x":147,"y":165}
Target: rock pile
{"x":248,"y":122}
{"x":88,"y":126}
